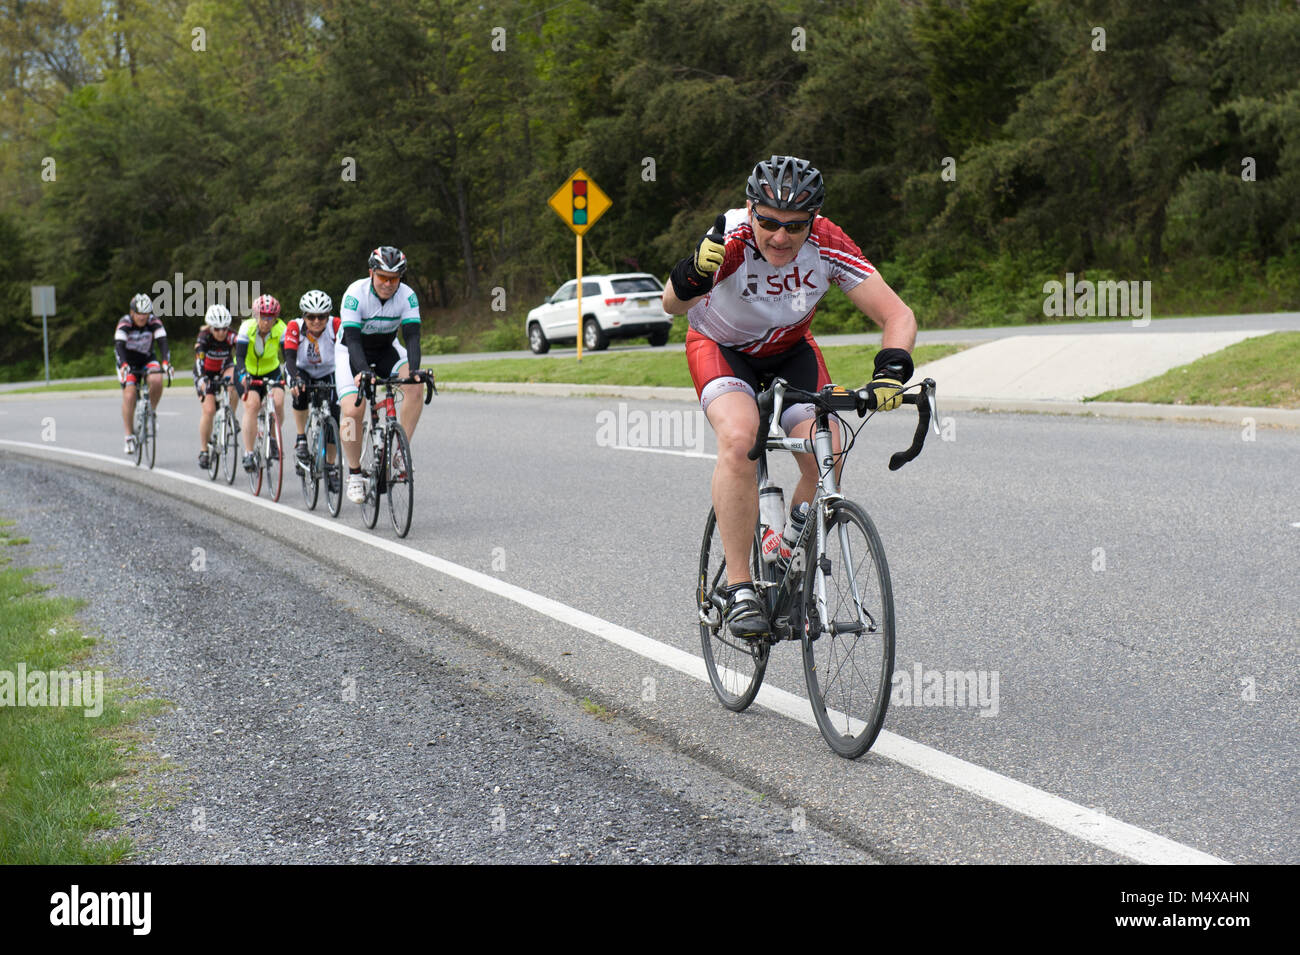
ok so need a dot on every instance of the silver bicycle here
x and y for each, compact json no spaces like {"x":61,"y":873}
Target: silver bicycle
{"x":833,"y":595}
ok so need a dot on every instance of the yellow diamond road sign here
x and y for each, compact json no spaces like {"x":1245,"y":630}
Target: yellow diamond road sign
{"x":579,"y":202}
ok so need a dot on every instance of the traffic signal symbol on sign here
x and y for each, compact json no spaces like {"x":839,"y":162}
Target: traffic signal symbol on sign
{"x":579,"y":202}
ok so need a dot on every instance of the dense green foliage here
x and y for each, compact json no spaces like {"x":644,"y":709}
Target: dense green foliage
{"x":974,"y":148}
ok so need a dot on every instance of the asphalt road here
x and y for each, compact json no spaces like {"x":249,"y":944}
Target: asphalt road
{"x":1128,"y":583}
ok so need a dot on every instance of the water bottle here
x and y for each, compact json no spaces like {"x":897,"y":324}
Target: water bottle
{"x":793,"y":528}
{"x":771,"y":516}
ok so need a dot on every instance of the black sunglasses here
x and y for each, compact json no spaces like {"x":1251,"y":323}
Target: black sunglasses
{"x":315,"y":318}
{"x":794,"y":228}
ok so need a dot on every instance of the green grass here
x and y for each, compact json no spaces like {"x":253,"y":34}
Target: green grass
{"x":58,"y":767}
{"x":1261,"y":372}
{"x":595,"y":709}
{"x":67,"y":386}
{"x":851,"y":364}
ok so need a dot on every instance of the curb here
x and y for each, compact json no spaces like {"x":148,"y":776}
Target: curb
{"x":1236,"y":416}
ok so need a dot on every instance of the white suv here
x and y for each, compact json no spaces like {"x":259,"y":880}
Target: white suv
{"x":626,"y":305}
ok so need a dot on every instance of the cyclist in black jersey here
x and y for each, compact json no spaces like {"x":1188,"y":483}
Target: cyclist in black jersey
{"x":134,"y":339}
{"x":214,"y":364}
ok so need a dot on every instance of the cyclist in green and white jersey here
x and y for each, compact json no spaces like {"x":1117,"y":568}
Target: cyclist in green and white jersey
{"x":374,"y":310}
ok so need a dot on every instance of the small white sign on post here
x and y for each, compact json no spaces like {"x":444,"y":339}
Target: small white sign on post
{"x":42,"y":299}
{"x":43,"y":305}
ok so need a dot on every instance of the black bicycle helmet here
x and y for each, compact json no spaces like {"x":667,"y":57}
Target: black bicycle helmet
{"x":386,"y":258}
{"x":787,"y":183}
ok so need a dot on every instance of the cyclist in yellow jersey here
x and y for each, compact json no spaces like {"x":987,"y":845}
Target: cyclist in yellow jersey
{"x":257,"y":356}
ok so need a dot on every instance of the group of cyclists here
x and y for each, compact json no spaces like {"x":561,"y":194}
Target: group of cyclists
{"x":749,"y":290}
{"x":267,"y":354}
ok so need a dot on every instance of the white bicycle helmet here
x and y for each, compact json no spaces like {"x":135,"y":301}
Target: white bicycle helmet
{"x":142,"y":303}
{"x":315,"y":302}
{"x":218,"y":316}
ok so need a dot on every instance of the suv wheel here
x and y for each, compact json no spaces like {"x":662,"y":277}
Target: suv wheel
{"x":537,"y":341}
{"x":593,"y":336}
{"x":659,"y":338}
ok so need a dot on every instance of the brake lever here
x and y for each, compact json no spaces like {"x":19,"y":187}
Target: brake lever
{"x":927,"y":387}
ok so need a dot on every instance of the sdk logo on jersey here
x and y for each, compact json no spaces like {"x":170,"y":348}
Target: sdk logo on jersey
{"x":780,"y":284}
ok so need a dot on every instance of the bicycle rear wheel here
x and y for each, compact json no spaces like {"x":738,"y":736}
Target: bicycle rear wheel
{"x":230,"y":446}
{"x":735,"y":666}
{"x":848,"y":647}
{"x":333,"y":472}
{"x":401,"y":487}
{"x":310,"y":475}
{"x":274,"y":455}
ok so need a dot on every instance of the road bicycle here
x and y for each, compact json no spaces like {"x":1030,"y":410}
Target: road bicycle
{"x":145,"y":424}
{"x":223,"y":442}
{"x":833,"y":594}
{"x":386,"y":451}
{"x":323,"y":449}
{"x":268,"y":449}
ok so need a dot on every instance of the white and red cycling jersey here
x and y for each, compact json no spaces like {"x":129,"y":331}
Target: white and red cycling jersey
{"x":315,"y":355}
{"x":761,"y":310}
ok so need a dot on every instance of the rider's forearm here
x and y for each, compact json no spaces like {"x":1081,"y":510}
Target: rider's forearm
{"x":899,"y":329}
{"x":165,"y":350}
{"x":411,"y":336}
{"x":672,"y":304}
{"x":291,"y":362}
{"x":119,"y":349}
{"x":356,"y":353}
{"x":241,"y":352}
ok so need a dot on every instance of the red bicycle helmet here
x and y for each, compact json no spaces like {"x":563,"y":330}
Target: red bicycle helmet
{"x":266,"y":305}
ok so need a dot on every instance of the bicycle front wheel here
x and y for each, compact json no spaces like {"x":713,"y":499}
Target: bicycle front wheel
{"x":151,"y":436}
{"x":735,"y":666}
{"x":311,"y":473}
{"x":401,"y":487}
{"x":214,"y":451}
{"x":255,"y":475}
{"x":372,"y":463}
{"x":274,"y":457}
{"x":333,"y":472}
{"x":139,"y":432}
{"x":230,"y":446}
{"x":848,"y":641}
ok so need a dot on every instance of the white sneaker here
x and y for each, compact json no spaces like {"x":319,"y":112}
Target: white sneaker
{"x":356,"y":488}
{"x":130,"y":444}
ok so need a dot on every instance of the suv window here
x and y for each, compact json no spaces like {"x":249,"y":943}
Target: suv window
{"x":565,"y":293}
{"x":643,"y":284}
{"x":590,"y":289}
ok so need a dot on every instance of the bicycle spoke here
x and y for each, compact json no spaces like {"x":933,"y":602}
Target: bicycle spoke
{"x":735,"y":666}
{"x":849,"y":655}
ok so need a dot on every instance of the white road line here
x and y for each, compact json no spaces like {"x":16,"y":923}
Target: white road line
{"x":684,"y":454}
{"x":1081,"y":822}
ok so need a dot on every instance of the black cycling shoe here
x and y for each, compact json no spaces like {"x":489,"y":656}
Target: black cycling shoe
{"x":250,"y":462}
{"x":744,"y":616}
{"x":304,"y":455}
{"x":203,"y":460}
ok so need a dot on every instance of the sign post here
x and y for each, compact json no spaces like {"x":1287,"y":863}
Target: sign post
{"x":579,"y":202}
{"x":43,"y":305}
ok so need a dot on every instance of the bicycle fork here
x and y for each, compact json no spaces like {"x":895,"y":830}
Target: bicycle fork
{"x":825,"y":451}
